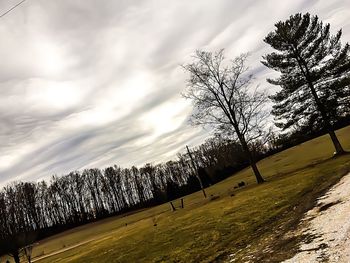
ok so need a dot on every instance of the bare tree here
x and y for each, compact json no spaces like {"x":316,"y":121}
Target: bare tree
{"x":222,"y":97}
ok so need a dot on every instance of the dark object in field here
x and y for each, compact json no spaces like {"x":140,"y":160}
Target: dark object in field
{"x":324,"y":207}
{"x":172,"y":206}
{"x":214,"y":197}
{"x":154,"y":220}
{"x":241,"y":184}
{"x":182,"y":203}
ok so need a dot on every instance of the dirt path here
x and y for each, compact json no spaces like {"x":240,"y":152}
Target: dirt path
{"x":327,"y":227}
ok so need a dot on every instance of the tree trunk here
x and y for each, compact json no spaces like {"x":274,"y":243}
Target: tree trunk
{"x":338,"y":148}
{"x":15,"y":256}
{"x":259,"y":178}
{"x":195,"y":170}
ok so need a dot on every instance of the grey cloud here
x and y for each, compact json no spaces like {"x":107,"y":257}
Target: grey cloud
{"x":68,"y":151}
{"x":98,"y":46}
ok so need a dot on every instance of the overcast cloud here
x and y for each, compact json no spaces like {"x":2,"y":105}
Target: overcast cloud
{"x":89,"y":83}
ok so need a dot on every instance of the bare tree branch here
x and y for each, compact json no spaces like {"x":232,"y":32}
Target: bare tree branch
{"x":222,"y":98}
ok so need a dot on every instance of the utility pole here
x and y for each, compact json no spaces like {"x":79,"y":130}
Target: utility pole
{"x":196,"y":172}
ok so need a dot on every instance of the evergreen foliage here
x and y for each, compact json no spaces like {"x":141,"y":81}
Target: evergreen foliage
{"x":315,"y":74}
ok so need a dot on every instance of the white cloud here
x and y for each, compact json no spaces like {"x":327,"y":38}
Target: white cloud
{"x":92,"y":83}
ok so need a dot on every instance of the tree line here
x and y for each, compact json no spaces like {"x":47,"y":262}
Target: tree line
{"x":31,"y":211}
{"x":314,"y":98}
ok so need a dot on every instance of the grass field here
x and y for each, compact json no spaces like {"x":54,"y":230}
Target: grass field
{"x":245,"y":222}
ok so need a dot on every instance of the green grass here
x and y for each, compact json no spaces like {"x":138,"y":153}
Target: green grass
{"x":206,"y":231}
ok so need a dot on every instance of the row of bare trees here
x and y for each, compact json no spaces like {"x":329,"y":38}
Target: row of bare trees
{"x":31,"y":211}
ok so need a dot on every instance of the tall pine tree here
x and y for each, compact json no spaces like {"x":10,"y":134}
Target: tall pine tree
{"x":315,"y":74}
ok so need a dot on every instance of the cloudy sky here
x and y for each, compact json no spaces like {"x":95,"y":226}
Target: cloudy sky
{"x":89,"y":83}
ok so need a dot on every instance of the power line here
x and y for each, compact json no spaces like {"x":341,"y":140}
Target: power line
{"x":8,"y":11}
